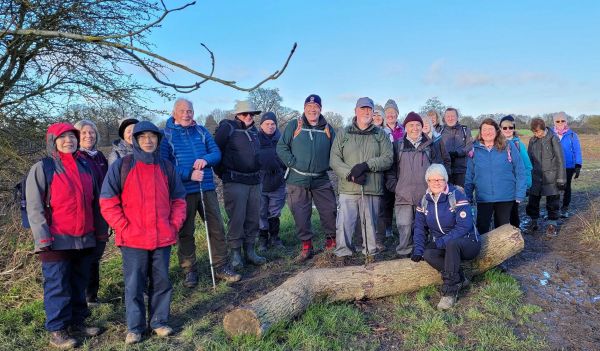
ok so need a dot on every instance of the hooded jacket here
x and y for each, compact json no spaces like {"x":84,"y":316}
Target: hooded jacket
{"x":182,"y":146}
{"x":495,"y":175}
{"x":239,"y":149}
{"x":307,"y":152}
{"x":548,"y":162}
{"x":149,"y":209}
{"x":73,"y":221}
{"x":120,"y":149}
{"x":354,"y":146}
{"x":571,"y":149}
{"x":272,"y":168}
{"x":406,"y":178}
{"x":524,"y":158}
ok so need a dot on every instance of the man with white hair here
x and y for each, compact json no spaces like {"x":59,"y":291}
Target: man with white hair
{"x":193,"y":151}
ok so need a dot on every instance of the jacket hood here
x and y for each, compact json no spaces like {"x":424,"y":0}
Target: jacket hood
{"x":353,"y":128}
{"x":321,"y":122}
{"x":138,"y":153}
{"x":54,"y":131}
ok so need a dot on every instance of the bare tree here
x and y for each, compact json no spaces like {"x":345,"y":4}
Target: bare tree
{"x":269,"y":100}
{"x":334,"y":119}
{"x":433,"y":103}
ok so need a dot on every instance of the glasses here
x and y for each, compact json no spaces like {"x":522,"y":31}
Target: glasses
{"x":245,"y":114}
{"x":561,"y":121}
{"x":436,"y":180}
{"x":508,"y":128}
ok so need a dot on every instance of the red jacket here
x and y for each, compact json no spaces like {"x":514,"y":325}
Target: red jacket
{"x":148,"y":210}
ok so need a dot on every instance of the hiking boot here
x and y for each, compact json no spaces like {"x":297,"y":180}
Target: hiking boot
{"x":236,"y":258}
{"x":191,"y":279}
{"x":261,"y":245}
{"x":341,"y":261}
{"x":84,"y":330}
{"x":389,"y":232}
{"x":62,"y":340}
{"x":464,"y":283}
{"x":533,"y":226}
{"x":446,"y":302}
{"x":551,"y":231}
{"x":164,"y":331}
{"x":275,"y":242}
{"x":92,"y":302}
{"x":564,"y":212}
{"x":133,"y":338}
{"x":307,"y":251}
{"x":252,"y":257}
{"x":330,"y":244}
{"x":227,"y":274}
{"x":380,"y":246}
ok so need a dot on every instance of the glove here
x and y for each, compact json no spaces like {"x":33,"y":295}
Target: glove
{"x":359,"y":169}
{"x":361,"y":179}
{"x":453,"y":154}
{"x":577,"y":170}
{"x":416,"y":258}
{"x":560,"y":186}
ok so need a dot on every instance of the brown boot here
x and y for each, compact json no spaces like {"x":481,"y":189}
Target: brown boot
{"x":62,"y":340}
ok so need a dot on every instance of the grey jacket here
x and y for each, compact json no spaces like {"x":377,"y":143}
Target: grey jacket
{"x":458,"y":139}
{"x":120,"y":149}
{"x":548,"y":165}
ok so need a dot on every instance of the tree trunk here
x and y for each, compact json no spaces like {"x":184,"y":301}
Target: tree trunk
{"x":377,"y":280}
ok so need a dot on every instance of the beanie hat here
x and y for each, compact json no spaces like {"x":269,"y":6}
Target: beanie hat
{"x":509,"y":118}
{"x":268,"y":116}
{"x":314,"y":99}
{"x":391,"y":104}
{"x":124,"y":124}
{"x":412,"y":117}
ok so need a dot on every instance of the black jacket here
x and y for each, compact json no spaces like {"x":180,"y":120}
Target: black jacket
{"x":240,"y":152}
{"x":272,"y":168}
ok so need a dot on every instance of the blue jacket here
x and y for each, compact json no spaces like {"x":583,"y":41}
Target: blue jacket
{"x":183,"y":146}
{"x":524,"y":158}
{"x":495,"y":176}
{"x":443,"y":223}
{"x":571,"y":149}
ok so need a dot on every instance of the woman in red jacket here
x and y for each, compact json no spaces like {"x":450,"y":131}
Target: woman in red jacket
{"x":66,"y":226}
{"x":143,"y":199}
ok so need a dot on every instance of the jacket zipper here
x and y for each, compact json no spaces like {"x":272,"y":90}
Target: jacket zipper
{"x":435,"y":202}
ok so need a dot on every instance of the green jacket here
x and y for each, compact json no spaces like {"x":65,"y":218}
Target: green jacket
{"x":307,"y":154}
{"x":354,"y":146}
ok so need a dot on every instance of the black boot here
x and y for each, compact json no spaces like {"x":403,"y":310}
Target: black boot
{"x":236,"y":258}
{"x":252,"y":257}
{"x":262,"y":240}
{"x":274,"y":240}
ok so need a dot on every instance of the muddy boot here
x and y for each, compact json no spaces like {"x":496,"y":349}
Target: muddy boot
{"x":227,"y":274}
{"x":261,"y":245}
{"x":564,"y":212}
{"x":191,"y":279}
{"x":62,"y":340}
{"x":237,"y":261}
{"x":274,"y":240}
{"x":307,"y":251}
{"x":252,"y":257}
{"x":533,"y":226}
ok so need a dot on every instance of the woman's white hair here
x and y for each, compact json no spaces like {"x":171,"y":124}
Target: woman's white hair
{"x":438,"y":169}
{"x":86,"y":122}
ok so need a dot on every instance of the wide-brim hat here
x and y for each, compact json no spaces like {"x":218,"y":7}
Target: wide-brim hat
{"x":245,"y":106}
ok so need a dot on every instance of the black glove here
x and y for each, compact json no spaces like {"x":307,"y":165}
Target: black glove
{"x":560,"y":186}
{"x":359,"y":169}
{"x":416,"y":258}
{"x":577,"y":170}
{"x":453,"y":154}
{"x":361,"y":179}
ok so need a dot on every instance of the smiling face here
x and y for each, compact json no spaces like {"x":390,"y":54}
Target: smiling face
{"x":88,"y":137}
{"x":148,"y":141}
{"x":377,"y":119}
{"x":451,"y":118}
{"x":183,"y":113}
{"x":436,"y":183}
{"x":128,"y":134}
{"x":488,"y":133}
{"x":391,"y":117}
{"x":268,"y":127}
{"x":364,"y":116}
{"x":312,"y":111}
{"x":66,"y":143}
{"x":413,"y":130}
{"x":246,"y":118}
{"x":508,"y":129}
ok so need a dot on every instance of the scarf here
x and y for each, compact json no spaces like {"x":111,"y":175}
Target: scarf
{"x":92,"y":153}
{"x":562,"y":131}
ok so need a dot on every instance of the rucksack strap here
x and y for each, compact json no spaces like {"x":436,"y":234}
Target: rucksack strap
{"x":48,"y":168}
{"x":126,"y":165}
{"x":299,"y":129}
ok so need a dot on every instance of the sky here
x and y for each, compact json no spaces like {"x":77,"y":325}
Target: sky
{"x":522,"y":57}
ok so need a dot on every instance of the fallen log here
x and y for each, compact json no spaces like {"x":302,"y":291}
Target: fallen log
{"x":377,"y":280}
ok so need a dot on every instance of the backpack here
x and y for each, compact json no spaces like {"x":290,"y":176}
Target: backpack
{"x":451,"y":199}
{"x":300,"y":129}
{"x":20,"y":191}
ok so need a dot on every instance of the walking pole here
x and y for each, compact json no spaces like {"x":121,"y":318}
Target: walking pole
{"x":364,"y":225}
{"x":212,"y":269}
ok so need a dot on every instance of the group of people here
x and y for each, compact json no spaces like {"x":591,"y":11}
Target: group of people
{"x":154,"y":182}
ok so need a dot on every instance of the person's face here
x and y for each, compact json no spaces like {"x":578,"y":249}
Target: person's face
{"x":148,"y":141}
{"x":364,"y":116}
{"x":377,"y":119}
{"x":312,"y":111}
{"x":268,"y":127}
{"x":246,"y":118}
{"x":87,"y":134}
{"x":128,"y":134}
{"x":436,"y":183}
{"x":539,"y":133}
{"x":426,"y":128}
{"x":508,"y":129}
{"x":560,"y":122}
{"x":391,"y":117}
{"x":488,"y":133}
{"x":413,"y":130}
{"x":433,"y":118}
{"x":183,"y":114}
{"x":450,"y":117}
{"x":66,"y":143}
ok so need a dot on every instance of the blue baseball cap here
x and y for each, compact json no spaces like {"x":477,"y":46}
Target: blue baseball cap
{"x":365,"y":102}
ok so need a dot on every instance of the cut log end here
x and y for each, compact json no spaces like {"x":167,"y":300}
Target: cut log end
{"x":242,"y":321}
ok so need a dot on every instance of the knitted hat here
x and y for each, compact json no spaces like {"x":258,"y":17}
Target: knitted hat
{"x":509,"y":118}
{"x":268,"y":116}
{"x":124,"y":123}
{"x":314,"y":99}
{"x":412,"y":117}
{"x":378,"y":111}
{"x":391,"y":104}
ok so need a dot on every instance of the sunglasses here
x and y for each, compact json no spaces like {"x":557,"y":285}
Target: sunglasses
{"x":508,"y":128}
{"x":245,"y":114}
{"x":561,"y":121}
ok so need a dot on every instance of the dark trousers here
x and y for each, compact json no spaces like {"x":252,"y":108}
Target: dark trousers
{"x":138,"y":267}
{"x":186,"y":249}
{"x":552,"y":206}
{"x":500,"y":211}
{"x":242,"y":204}
{"x":567,"y":194}
{"x":515,"y":221}
{"x":91,"y":292}
{"x":457,"y":179}
{"x":386,"y":213}
{"x":300,"y":202}
{"x":447,"y":261}
{"x":64,"y":290}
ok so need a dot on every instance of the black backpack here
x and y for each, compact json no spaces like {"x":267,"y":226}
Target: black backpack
{"x":20,"y":191}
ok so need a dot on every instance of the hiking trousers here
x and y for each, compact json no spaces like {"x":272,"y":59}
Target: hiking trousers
{"x":500,"y":211}
{"x":300,"y":200}
{"x":242,"y":204}
{"x":271,"y":203}
{"x":352,"y":209}
{"x":405,"y":218}
{"x":552,"y":206}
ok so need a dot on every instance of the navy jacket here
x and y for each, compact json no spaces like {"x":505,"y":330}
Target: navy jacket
{"x":240,"y":147}
{"x":272,"y":168}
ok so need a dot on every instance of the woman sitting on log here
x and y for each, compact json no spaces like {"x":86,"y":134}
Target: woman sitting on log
{"x":445,"y":214}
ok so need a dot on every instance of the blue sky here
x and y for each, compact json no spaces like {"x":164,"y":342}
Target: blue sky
{"x":524,"y":57}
